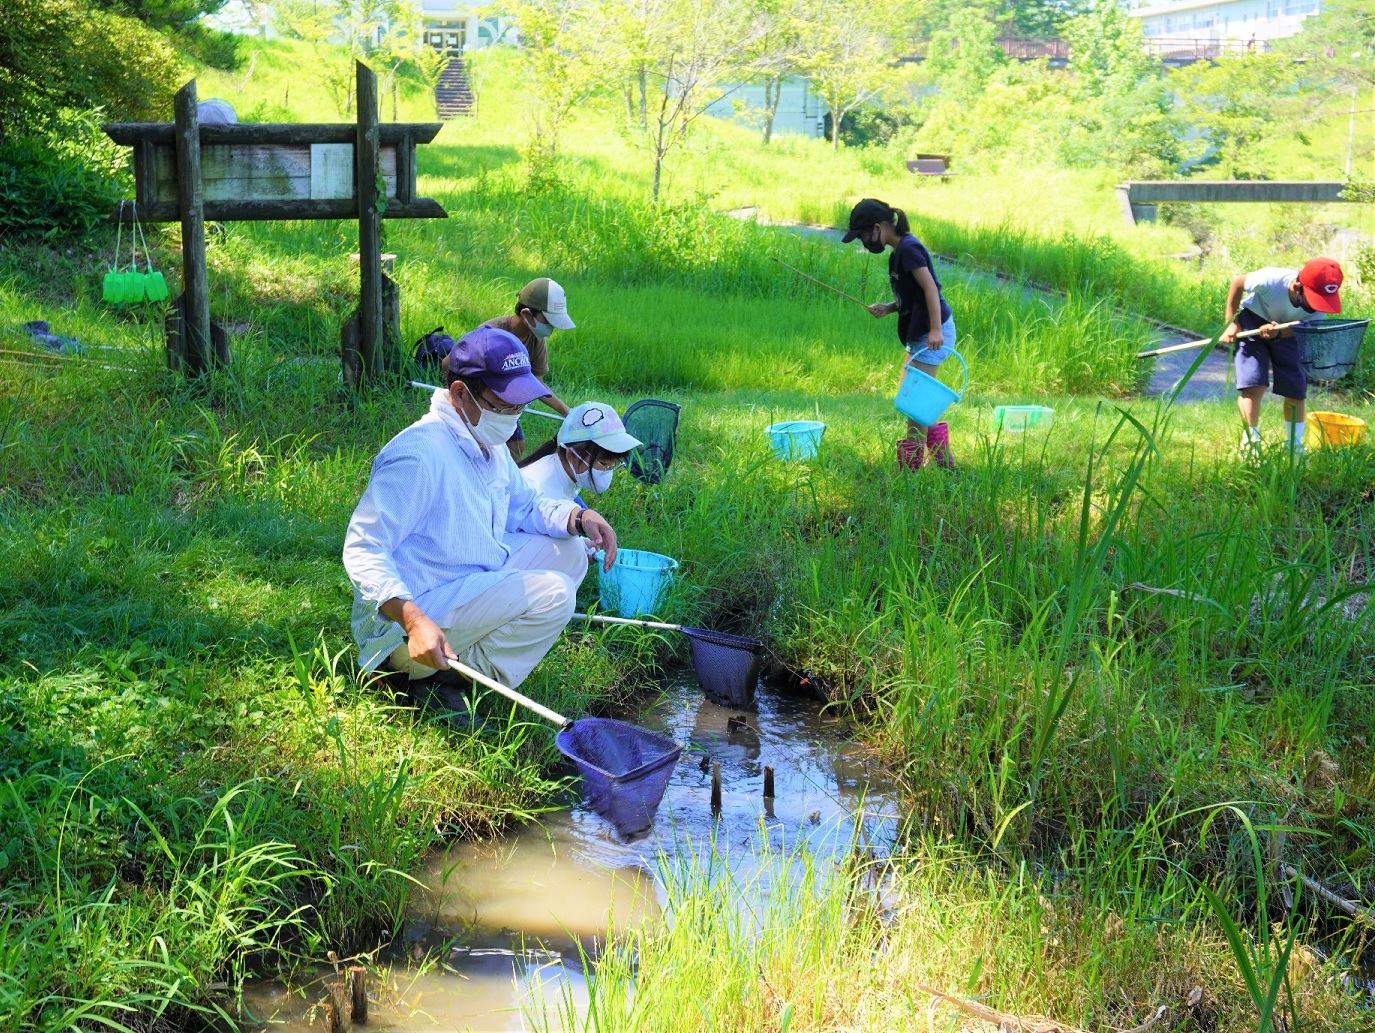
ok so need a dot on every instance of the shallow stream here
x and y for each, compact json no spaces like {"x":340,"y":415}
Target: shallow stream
{"x":508,"y":918}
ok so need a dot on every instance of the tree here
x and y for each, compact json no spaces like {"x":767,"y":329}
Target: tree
{"x":327,"y":24}
{"x":401,"y":53}
{"x":679,"y":57}
{"x":846,"y":45}
{"x":1340,"y":38}
{"x":60,"y":54}
{"x":1234,"y":104}
{"x":566,"y":47}
{"x":964,"y":57}
{"x":178,"y":15}
{"x":1107,"y":55}
{"x":777,"y":54}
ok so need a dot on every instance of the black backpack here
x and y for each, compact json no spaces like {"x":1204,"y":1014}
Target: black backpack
{"x":431,"y":349}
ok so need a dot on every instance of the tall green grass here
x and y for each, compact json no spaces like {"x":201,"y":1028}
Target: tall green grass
{"x":175,"y":616}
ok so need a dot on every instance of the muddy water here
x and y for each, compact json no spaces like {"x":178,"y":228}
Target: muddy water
{"x":509,"y":919}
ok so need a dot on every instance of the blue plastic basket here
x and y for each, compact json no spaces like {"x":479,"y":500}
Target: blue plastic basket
{"x":795,"y":439}
{"x":636,"y":583}
{"x":1330,"y":346}
{"x":624,"y":769}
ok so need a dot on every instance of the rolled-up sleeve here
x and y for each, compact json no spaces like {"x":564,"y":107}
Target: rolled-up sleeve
{"x":396,"y":497}
{"x":533,"y":511}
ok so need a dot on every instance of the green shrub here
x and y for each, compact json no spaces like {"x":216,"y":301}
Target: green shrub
{"x":60,"y":183}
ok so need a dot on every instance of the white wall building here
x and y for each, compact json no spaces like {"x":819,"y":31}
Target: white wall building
{"x":452,"y":25}
{"x":1239,"y":20}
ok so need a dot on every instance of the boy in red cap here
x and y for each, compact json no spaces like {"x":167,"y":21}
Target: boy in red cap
{"x":1260,"y":301}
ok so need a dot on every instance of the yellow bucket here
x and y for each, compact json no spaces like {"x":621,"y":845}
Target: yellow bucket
{"x":1333,"y":430}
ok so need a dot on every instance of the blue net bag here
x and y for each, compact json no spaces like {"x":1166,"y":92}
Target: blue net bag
{"x":727,"y":666}
{"x":624,"y":769}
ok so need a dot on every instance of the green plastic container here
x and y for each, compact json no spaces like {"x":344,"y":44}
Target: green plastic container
{"x":1022,"y":417}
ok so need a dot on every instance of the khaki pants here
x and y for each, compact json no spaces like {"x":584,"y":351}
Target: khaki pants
{"x":507,"y":630}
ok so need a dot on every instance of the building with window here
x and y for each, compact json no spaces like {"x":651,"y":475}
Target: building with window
{"x":453,"y":27}
{"x":1239,"y":21}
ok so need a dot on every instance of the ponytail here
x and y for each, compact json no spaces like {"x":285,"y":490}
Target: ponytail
{"x":546,"y":449}
{"x":900,"y":222}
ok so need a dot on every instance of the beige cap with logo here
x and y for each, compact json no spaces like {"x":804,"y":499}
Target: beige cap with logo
{"x":544,"y":295}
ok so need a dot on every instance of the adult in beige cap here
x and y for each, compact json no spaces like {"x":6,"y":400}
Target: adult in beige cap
{"x":541,"y":308}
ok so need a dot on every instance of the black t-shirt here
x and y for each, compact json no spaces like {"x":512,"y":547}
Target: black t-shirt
{"x":914,"y":322}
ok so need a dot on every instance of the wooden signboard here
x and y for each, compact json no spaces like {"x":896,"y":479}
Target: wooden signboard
{"x":185,"y":172}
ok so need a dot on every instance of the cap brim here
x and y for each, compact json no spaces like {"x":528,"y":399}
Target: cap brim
{"x":559,"y":320}
{"x":1322,"y":302}
{"x":621,"y":441}
{"x":520,"y":389}
{"x":852,"y":234}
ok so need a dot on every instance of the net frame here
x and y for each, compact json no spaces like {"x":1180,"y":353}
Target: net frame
{"x":625,"y":781}
{"x":727,"y":666}
{"x":1331,"y":347}
{"x":651,"y":461}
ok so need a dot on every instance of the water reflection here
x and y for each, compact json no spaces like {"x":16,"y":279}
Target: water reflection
{"x":561,"y":885}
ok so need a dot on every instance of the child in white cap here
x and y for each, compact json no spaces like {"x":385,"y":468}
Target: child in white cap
{"x":592,"y":443}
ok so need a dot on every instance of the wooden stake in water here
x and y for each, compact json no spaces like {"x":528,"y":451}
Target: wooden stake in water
{"x":358,"y":984}
{"x":338,"y":1007}
{"x":716,"y":787}
{"x":768,"y":783}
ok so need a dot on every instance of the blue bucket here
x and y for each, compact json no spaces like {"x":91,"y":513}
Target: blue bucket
{"x":922,"y":398}
{"x":795,"y":439}
{"x":636,"y":583}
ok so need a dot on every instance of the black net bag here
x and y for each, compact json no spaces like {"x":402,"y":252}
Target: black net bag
{"x":1330,"y":346}
{"x":624,"y":769}
{"x":727,"y":666}
{"x":656,"y":424}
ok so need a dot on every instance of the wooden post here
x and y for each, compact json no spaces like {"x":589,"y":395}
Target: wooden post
{"x":338,"y":1007}
{"x":358,"y":983}
{"x":768,"y":783}
{"x":370,"y":336}
{"x":716,"y":787}
{"x":195,"y":309}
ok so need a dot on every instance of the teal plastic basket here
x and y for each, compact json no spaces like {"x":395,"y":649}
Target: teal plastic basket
{"x":795,"y":439}
{"x":636,"y":583}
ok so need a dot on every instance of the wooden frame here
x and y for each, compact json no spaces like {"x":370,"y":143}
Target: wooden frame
{"x":188,"y":173}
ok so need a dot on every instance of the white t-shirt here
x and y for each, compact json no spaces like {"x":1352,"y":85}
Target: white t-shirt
{"x":1267,"y":295}
{"x":549,"y":476}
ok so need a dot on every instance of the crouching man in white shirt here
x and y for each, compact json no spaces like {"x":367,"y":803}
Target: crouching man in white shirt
{"x":452,"y":555}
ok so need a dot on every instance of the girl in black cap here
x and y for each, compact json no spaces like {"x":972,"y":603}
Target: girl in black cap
{"x":925,"y":326}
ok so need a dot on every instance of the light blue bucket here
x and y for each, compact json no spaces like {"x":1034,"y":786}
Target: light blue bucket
{"x":795,"y":439}
{"x":922,"y":398}
{"x":636,"y":583}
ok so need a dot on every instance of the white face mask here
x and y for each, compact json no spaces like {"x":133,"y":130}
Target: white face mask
{"x":492,"y":428}
{"x":591,"y":479}
{"x":540,"y":330}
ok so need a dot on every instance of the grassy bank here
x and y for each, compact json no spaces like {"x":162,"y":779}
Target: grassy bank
{"x":1073,"y":653}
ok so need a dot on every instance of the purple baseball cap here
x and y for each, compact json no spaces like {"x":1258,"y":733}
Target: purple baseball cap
{"x":500,"y":360}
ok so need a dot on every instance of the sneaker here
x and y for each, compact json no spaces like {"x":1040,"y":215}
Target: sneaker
{"x":911,"y":454}
{"x":938,"y":444}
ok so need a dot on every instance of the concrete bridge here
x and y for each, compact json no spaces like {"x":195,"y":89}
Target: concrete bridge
{"x":1139,"y":198}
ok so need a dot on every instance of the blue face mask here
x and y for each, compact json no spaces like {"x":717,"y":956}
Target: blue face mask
{"x":540,"y":330}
